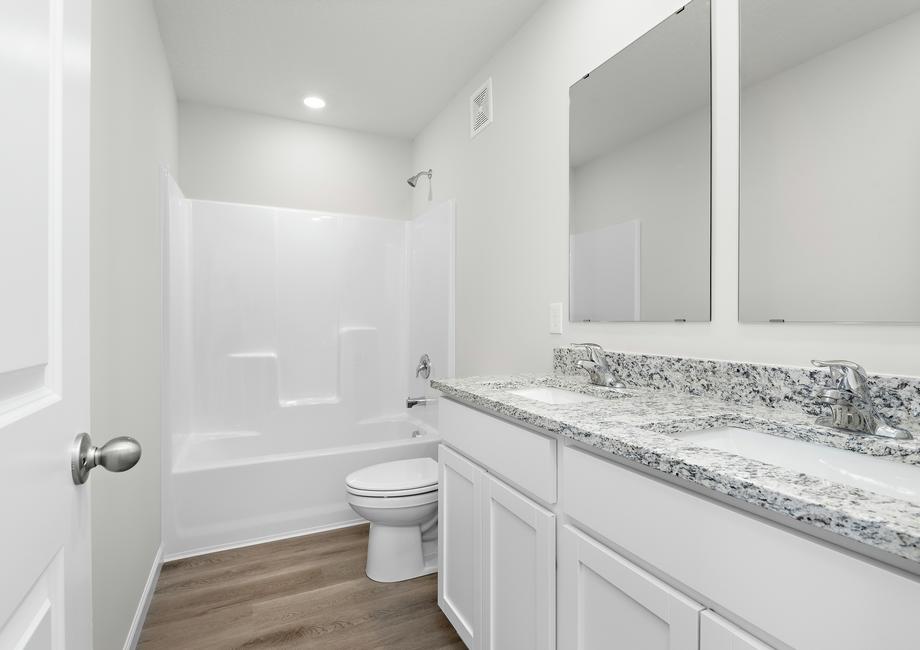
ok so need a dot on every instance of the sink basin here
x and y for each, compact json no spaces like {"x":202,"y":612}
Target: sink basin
{"x":890,"y":478}
{"x":549,"y":395}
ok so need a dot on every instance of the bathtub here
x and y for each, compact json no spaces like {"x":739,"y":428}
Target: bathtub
{"x":230,"y":489}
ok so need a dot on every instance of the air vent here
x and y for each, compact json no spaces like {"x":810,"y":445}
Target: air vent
{"x":481,"y":108}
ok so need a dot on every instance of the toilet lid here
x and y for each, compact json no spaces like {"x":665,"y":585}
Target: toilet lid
{"x":396,"y":476}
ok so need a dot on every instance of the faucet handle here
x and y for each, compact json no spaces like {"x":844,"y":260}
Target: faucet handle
{"x":595,"y":351}
{"x":423,"y":369}
{"x":841,"y":363}
{"x":846,"y":374}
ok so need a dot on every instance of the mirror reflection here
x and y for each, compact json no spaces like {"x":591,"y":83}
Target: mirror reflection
{"x":639,"y":215}
{"x":830,"y":160}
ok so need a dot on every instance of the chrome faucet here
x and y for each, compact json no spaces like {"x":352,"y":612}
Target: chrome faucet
{"x":597,"y":367}
{"x":850,"y":402}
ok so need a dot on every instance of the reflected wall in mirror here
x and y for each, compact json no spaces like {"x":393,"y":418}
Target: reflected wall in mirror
{"x":830,"y":160}
{"x":639,"y":158}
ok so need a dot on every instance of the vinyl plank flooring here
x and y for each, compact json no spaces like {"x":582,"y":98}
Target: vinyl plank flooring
{"x":303,"y":592}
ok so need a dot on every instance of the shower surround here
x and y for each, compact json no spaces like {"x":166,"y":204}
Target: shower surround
{"x":292,"y":339}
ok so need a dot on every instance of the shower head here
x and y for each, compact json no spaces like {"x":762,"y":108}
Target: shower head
{"x":413,"y":181}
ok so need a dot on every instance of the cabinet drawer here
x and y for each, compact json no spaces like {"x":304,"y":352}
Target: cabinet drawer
{"x":802,"y":592}
{"x":522,"y":457}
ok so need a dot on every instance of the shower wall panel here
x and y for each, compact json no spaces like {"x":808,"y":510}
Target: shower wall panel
{"x":297,"y":322}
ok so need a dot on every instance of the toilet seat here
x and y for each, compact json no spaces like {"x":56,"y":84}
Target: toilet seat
{"x":385,"y":494}
{"x":404,"y":501}
{"x":398,"y":478}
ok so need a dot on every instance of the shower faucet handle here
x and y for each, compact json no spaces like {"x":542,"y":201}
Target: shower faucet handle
{"x":423,"y":369}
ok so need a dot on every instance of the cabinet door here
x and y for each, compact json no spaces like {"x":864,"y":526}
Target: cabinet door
{"x":605,"y":601}
{"x":518,"y":572}
{"x":718,"y":634}
{"x":460,"y":543}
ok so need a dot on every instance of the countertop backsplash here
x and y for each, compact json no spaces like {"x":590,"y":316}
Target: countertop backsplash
{"x":785,"y":387}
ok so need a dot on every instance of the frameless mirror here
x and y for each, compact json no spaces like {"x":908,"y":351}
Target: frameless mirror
{"x":639,"y":159}
{"x":830,"y":161}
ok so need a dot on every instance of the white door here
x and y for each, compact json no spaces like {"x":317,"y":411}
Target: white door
{"x":718,"y":634}
{"x":45,"y":598}
{"x":605,"y":601}
{"x":518,"y":572}
{"x":459,"y":543}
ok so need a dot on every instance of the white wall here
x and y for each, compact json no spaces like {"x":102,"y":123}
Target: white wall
{"x":829,"y":155}
{"x":133,"y":133}
{"x":230,"y":155}
{"x":512,"y":189}
{"x":661,"y":179}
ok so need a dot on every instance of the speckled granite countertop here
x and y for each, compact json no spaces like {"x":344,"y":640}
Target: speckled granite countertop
{"x":635,"y":424}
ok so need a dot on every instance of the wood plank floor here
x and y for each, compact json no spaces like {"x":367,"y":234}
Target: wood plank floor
{"x":305,"y":592}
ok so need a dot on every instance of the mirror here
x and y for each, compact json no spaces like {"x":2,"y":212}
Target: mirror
{"x":639,"y":170}
{"x":830,"y":161}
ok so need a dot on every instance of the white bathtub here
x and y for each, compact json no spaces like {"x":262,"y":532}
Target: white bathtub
{"x":232,"y":489}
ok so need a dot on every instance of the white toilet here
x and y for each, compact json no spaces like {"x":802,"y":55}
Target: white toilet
{"x":400,"y":499}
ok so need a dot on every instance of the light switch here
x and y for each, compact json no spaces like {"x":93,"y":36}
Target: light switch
{"x":555,"y":318}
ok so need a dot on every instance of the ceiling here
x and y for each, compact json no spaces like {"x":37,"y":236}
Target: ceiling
{"x":383,"y":66}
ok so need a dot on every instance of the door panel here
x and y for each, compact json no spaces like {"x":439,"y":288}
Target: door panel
{"x":519,"y":572}
{"x":459,"y":543}
{"x":606,"y":601}
{"x":44,"y":300}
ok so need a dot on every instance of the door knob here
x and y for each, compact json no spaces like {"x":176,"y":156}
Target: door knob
{"x":117,"y":455}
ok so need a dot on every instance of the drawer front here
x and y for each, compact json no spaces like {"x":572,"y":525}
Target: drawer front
{"x":800,"y":591}
{"x":522,"y":457}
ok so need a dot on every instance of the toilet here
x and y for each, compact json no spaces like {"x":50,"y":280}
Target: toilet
{"x":400,"y":499}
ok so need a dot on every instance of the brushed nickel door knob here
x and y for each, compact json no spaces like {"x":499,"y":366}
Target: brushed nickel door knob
{"x":117,"y":455}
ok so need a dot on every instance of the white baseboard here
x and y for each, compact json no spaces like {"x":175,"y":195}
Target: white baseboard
{"x":134,"y":633}
{"x":261,"y":540}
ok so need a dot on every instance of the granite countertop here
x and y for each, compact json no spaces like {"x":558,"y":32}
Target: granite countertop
{"x":635,"y":424}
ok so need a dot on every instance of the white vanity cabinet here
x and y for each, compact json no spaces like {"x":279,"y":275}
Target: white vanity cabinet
{"x":605,"y":601}
{"x":616,"y":557}
{"x":497,"y":560}
{"x":497,"y":552}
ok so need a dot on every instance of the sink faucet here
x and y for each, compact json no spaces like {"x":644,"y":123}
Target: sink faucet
{"x":851,"y":405}
{"x":599,"y":371}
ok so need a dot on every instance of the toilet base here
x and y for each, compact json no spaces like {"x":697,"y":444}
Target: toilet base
{"x":397,"y":553}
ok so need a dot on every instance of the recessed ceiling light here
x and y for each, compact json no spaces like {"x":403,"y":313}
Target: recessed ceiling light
{"x":314,"y":102}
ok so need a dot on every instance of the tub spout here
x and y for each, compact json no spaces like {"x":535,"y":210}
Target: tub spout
{"x":415,"y":401}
